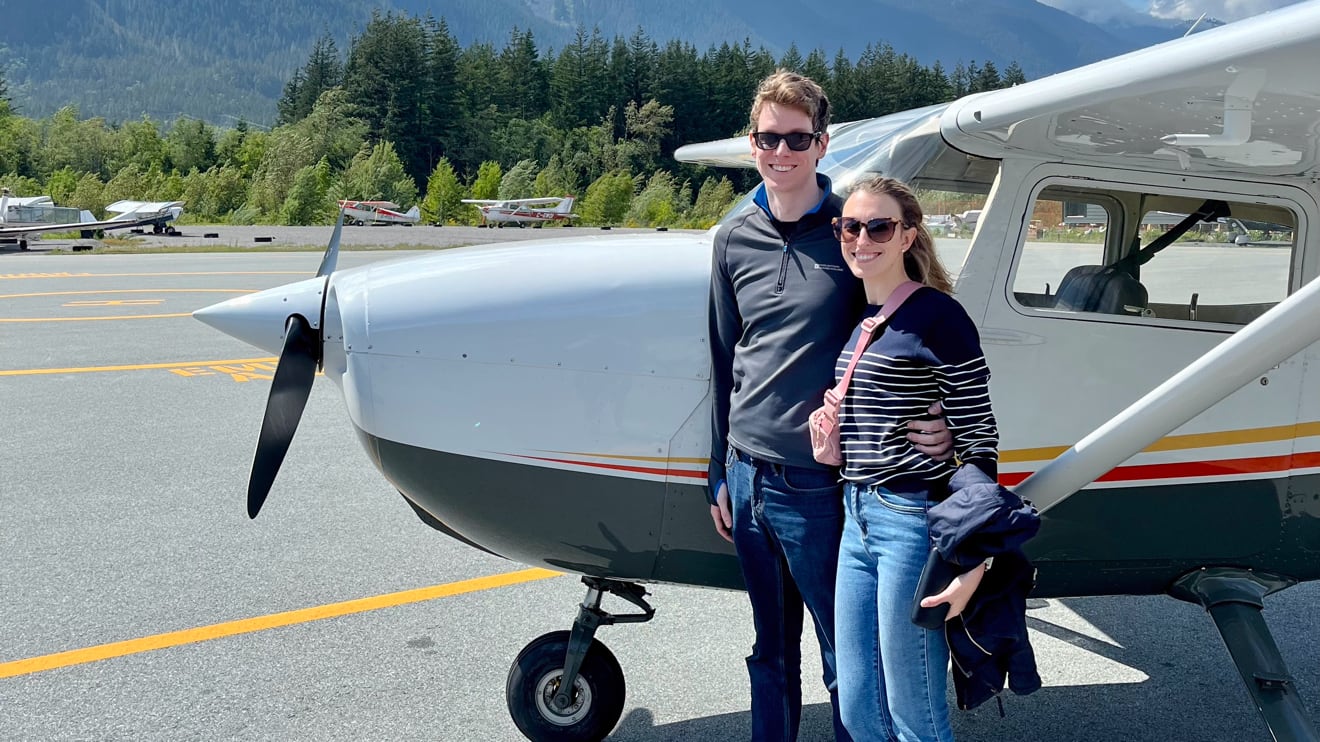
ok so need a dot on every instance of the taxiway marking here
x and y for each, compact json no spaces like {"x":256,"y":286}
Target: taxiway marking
{"x":116,"y":303}
{"x":17,"y":276}
{"x":136,"y":367}
{"x":129,"y":291}
{"x":261,"y":623}
{"x":93,"y":319}
{"x":11,"y":320}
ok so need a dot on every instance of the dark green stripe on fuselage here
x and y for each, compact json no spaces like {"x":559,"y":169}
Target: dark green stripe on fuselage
{"x":1133,"y":541}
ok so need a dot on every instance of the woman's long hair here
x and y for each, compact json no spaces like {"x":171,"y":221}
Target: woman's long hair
{"x":920,"y":261}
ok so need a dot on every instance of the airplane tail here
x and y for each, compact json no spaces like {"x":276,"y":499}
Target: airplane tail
{"x":565,"y":206}
{"x":4,"y":204}
{"x":413,"y":213}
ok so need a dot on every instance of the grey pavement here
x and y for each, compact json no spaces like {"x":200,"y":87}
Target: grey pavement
{"x":268,"y":236}
{"x":125,"y":520}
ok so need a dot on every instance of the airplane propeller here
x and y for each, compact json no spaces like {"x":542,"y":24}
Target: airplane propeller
{"x":290,"y":389}
{"x":288,"y":396}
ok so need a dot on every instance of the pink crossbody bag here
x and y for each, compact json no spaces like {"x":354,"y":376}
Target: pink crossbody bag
{"x":824,"y":421}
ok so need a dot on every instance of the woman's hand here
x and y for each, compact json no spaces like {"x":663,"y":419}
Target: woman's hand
{"x":958,"y":592}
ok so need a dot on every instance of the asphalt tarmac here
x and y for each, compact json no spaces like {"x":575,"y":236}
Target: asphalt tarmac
{"x":140,"y":602}
{"x":266,"y":237}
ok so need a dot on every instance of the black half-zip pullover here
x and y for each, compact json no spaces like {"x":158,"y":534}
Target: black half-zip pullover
{"x":782,"y":305}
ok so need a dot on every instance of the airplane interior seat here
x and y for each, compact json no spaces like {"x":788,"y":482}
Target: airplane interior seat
{"x":1101,"y":289}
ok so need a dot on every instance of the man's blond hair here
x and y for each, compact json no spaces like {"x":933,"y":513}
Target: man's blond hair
{"x":790,"y":89}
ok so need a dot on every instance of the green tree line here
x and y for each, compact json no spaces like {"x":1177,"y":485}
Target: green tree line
{"x":410,"y":116}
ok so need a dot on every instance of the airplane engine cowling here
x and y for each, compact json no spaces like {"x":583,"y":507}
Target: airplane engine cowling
{"x":525,"y":395}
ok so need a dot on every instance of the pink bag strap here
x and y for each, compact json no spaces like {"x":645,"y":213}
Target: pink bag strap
{"x":869,"y":326}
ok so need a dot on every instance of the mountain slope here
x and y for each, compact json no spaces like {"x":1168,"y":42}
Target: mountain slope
{"x":124,"y":59}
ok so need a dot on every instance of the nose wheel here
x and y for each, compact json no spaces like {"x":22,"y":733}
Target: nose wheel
{"x":566,"y":686}
{"x":537,"y":677}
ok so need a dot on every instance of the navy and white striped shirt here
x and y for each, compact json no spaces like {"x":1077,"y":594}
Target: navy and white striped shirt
{"x":928,"y":351}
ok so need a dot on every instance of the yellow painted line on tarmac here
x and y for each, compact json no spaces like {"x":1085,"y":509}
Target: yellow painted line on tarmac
{"x":18,"y":276}
{"x":129,"y":291}
{"x":261,"y":623}
{"x":11,"y":320}
{"x":135,"y":367}
{"x":26,"y":320}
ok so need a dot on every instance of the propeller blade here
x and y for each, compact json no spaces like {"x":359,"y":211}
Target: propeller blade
{"x":288,"y":396}
{"x":331,"y":256}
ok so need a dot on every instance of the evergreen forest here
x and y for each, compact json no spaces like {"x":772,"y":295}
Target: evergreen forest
{"x":407,"y":114}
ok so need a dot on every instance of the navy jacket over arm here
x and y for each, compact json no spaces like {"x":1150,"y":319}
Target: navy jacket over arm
{"x":988,"y":641}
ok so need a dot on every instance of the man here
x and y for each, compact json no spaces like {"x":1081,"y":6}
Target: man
{"x":782,"y":305}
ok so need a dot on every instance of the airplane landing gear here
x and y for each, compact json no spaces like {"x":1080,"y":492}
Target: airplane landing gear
{"x":566,"y":686}
{"x":1234,"y":598}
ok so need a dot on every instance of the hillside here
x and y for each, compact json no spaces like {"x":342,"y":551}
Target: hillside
{"x":124,"y":59}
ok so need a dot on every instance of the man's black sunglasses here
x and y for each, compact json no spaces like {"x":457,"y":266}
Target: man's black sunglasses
{"x":848,"y":229}
{"x":797,"y":141}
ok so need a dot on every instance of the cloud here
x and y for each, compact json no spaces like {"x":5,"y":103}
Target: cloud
{"x":1224,"y":10}
{"x":1098,"y":11}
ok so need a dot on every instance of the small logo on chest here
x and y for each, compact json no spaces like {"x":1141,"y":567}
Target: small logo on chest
{"x":820,"y":267}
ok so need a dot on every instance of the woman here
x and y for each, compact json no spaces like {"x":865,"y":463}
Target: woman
{"x":892,"y":673}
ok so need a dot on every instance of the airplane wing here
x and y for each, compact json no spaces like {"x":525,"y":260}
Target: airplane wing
{"x":128,"y":210}
{"x":483,"y":201}
{"x":105,"y":225}
{"x":534,"y":201}
{"x":732,"y":152}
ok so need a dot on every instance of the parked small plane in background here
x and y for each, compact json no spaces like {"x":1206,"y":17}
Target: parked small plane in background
{"x":522,"y":211}
{"x":378,"y":212}
{"x":21,"y":217}
{"x":159,"y":213}
{"x":1158,"y":398}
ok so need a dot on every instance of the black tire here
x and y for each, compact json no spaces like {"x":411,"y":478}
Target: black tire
{"x":534,"y":679}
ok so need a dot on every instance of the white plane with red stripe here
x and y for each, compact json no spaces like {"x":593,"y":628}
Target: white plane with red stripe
{"x":522,"y":211}
{"x":378,"y":212}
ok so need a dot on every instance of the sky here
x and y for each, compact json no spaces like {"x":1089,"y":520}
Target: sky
{"x":1224,"y":10}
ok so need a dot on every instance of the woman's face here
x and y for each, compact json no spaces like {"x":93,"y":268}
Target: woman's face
{"x":868,"y":258}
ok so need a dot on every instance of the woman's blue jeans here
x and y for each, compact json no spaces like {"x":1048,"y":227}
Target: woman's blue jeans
{"x":786,"y":526}
{"x":892,"y":673}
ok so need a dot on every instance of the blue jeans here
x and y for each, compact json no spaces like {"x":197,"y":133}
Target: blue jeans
{"x":892,"y":673}
{"x":786,"y":526}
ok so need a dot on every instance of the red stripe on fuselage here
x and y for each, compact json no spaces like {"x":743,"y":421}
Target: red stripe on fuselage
{"x":1183,"y":470}
{"x":621,"y":467}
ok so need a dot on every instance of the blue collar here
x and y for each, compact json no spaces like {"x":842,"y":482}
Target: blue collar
{"x":760,"y":198}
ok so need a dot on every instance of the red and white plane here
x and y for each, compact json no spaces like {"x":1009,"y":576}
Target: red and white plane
{"x":378,"y":212}
{"x":521,"y":211}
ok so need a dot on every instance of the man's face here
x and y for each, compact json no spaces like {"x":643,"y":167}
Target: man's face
{"x":783,"y":169}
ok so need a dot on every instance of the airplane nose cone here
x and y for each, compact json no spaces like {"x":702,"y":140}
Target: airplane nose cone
{"x":259,"y":319}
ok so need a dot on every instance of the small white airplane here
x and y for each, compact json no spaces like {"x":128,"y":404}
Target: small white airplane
{"x":159,"y":213}
{"x":378,"y":212}
{"x":1158,"y":400}
{"x":523,"y":211}
{"x":21,"y":217}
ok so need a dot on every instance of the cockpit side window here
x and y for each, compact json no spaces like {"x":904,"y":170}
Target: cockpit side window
{"x":1153,"y":257}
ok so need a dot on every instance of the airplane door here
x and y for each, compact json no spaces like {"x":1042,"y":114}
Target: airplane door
{"x":1070,"y":344}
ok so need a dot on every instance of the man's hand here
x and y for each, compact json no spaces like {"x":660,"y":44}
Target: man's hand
{"x":958,"y":592}
{"x":932,"y":437}
{"x":721,"y":514}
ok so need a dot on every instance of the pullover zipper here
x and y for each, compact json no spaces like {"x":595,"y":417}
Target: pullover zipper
{"x":783,"y":269}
